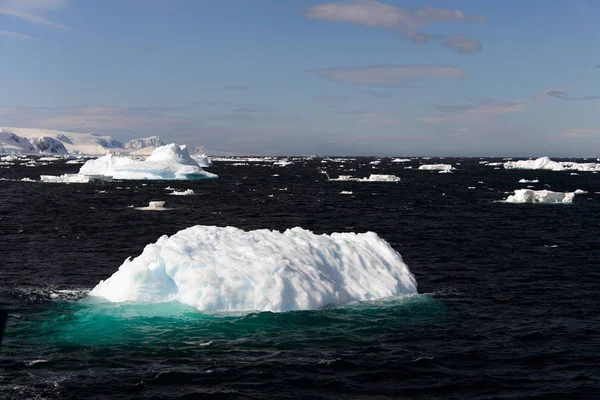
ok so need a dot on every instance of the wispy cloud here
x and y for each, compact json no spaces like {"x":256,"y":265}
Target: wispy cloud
{"x":15,"y":35}
{"x":372,"y":13}
{"x":98,"y":118}
{"x":242,"y":117}
{"x":462,"y":45}
{"x":33,"y":11}
{"x":239,"y":88}
{"x":332,"y":98}
{"x":558,"y":94}
{"x":389,"y":75}
{"x":580,"y":132}
{"x":474,"y":113}
{"x":379,"y":95}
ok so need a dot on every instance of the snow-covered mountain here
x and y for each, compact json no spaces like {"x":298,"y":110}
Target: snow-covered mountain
{"x":37,"y":141}
{"x":142,"y":143}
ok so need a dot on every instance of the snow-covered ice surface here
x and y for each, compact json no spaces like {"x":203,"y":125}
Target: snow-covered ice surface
{"x":203,"y":160}
{"x":442,"y":168}
{"x":546,"y":163}
{"x":540,"y":196}
{"x":188,"y":192}
{"x":227,"y":269}
{"x":371,"y":178}
{"x":167,"y":162}
{"x":154,"y":206}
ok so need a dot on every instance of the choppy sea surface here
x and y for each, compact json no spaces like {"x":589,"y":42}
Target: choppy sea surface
{"x":508,"y":304}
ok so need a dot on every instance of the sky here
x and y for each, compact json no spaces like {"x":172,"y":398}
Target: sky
{"x":365,"y":77}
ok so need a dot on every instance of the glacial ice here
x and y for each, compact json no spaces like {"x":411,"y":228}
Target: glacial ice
{"x":442,"y":168}
{"x":540,"y":196}
{"x":154,"y":206}
{"x":166,"y":162}
{"x":227,"y":269}
{"x":371,"y":178}
{"x":203,"y":160}
{"x":188,"y":192}
{"x":546,"y":163}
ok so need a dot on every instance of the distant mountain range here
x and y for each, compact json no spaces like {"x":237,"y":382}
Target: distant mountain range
{"x":45,"y":141}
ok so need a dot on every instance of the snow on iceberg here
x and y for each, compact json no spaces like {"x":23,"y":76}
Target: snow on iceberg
{"x":227,"y":269}
{"x":546,"y":163}
{"x":540,"y":196}
{"x":188,"y":192}
{"x":166,"y":162}
{"x":371,"y":178}
{"x":442,"y":168}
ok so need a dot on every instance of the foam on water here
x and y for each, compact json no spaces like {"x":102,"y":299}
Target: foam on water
{"x":226,"y":269}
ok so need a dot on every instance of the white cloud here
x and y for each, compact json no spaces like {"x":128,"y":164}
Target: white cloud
{"x":372,"y":13}
{"x":474,"y":113}
{"x":15,"y":35}
{"x":389,"y":75}
{"x":33,"y":11}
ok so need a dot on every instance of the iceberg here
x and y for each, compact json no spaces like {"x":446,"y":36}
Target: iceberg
{"x":203,"y":160}
{"x":217,"y":269}
{"x":401,"y":160}
{"x":442,"y":168}
{"x":540,"y":196}
{"x":154,"y":206}
{"x":546,"y":163}
{"x":74,"y":178}
{"x":168,"y":162}
{"x":188,"y":192}
{"x":371,"y":178}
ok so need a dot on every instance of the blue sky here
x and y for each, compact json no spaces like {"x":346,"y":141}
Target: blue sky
{"x":471,"y":78}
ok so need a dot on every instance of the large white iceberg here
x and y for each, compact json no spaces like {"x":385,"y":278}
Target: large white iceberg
{"x":540,"y":196}
{"x":228,"y":269}
{"x":166,"y":162}
{"x":546,"y":163}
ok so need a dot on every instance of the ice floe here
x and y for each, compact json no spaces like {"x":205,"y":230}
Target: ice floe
{"x":546,"y":163}
{"x":540,"y":196}
{"x":227,"y":269}
{"x":442,"y":168}
{"x":154,"y":206}
{"x":188,"y":192}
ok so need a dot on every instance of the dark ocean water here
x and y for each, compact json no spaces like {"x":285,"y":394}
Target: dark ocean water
{"x":509,"y":303}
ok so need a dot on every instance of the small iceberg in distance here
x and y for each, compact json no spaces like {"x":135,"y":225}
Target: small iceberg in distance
{"x":545,"y":163}
{"x":540,"y":196}
{"x":170,"y":162}
{"x":154,"y":206}
{"x":371,"y":178}
{"x":442,"y":168}
{"x":227,"y":269}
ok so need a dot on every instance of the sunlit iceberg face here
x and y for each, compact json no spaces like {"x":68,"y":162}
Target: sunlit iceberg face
{"x":227,"y":269}
{"x":170,"y":162}
{"x":540,"y":196}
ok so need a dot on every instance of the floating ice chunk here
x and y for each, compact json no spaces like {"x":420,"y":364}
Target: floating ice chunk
{"x":528,"y":181}
{"x":154,"y":206}
{"x":227,"y":269}
{"x":188,"y":192}
{"x":166,"y":162}
{"x":371,"y":178}
{"x":401,"y":160}
{"x":580,"y":191}
{"x":282,"y":163}
{"x":345,"y":192}
{"x":74,"y":178}
{"x":546,"y":163}
{"x":376,"y":162}
{"x":442,"y":168}
{"x":540,"y":196}
{"x":203,"y":160}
